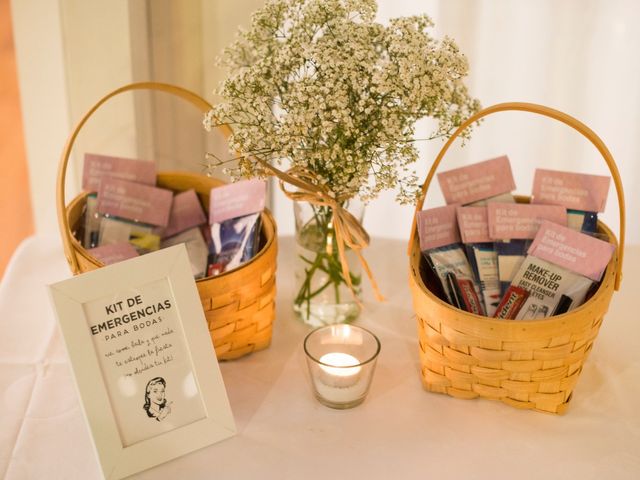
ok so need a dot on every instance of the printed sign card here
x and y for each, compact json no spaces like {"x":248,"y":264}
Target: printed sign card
{"x":572,"y":250}
{"x":521,"y":220}
{"x":478,"y":181}
{"x":97,"y":167}
{"x":576,"y":191}
{"x":186,"y":213}
{"x":437,"y":227}
{"x":143,"y":360}
{"x":133,"y":201}
{"x":114,"y":253}
{"x":474,"y":224}
{"x":237,"y":200}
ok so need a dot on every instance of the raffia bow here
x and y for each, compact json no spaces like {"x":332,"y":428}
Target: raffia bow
{"x":349,"y":232}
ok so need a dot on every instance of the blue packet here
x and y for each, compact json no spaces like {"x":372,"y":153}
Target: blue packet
{"x":235,"y":241}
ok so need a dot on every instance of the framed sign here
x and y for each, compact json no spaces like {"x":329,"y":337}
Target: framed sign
{"x":143,"y":361}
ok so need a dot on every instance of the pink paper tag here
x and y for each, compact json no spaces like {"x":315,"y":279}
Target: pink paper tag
{"x":478,"y":181}
{"x":134,"y":201}
{"x":114,"y":253}
{"x":186,"y":213}
{"x":576,"y":191}
{"x":96,"y":167}
{"x":474,"y":224}
{"x":572,"y":250}
{"x":237,"y":200}
{"x":521,"y":220}
{"x":437,"y":227}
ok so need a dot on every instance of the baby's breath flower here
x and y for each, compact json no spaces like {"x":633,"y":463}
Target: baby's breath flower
{"x":321,"y":84}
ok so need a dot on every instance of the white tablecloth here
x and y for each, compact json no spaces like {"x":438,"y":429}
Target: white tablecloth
{"x":401,"y":431}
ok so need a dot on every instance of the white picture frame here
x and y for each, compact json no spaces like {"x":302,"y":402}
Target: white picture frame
{"x":129,"y":434}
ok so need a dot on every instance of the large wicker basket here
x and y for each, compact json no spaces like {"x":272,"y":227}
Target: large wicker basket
{"x":526,"y":364}
{"x":240,"y":304}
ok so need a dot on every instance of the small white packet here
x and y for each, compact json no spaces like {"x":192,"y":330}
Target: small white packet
{"x":196,"y":249}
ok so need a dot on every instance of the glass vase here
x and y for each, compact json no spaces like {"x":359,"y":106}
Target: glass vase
{"x":322,"y":296}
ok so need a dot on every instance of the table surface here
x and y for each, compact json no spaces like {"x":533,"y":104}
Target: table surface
{"x":400,"y":431}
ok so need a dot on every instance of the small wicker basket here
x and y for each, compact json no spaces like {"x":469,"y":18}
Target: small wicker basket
{"x":526,"y":364}
{"x":240,"y":304}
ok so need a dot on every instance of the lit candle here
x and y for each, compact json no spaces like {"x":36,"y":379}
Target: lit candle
{"x":343,"y":370}
{"x":340,"y":378}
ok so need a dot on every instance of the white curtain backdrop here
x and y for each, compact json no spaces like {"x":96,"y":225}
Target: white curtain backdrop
{"x":579,"y":56}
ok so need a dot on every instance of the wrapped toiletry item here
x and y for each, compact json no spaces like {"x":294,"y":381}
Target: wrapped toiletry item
{"x":441,"y":246}
{"x":512,"y":228}
{"x":511,"y":303}
{"x":116,"y":230}
{"x":583,"y":195}
{"x":234,"y":241}
{"x":560,"y":269}
{"x":491,"y":179}
{"x":92,"y":220}
{"x":197,"y":249}
{"x":474,"y":232}
{"x":581,"y":221}
{"x":234,"y":217}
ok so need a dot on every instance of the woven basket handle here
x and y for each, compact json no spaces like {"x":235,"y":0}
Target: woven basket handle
{"x":63,"y":222}
{"x":551,"y":113}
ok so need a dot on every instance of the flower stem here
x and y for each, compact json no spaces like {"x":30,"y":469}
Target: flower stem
{"x":323,"y":269}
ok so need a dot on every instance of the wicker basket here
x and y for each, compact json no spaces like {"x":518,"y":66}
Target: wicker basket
{"x":240,"y":304}
{"x":526,"y":364}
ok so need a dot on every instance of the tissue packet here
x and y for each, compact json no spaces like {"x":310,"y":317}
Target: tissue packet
{"x":561,"y":267}
{"x":476,"y":182}
{"x":512,"y":227}
{"x":440,"y":245}
{"x":583,"y":195}
{"x":234,"y":241}
{"x":474,"y":232}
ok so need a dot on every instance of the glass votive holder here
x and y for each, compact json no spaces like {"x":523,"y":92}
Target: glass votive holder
{"x":341,"y":361}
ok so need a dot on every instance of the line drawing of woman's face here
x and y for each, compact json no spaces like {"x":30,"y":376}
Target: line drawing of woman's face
{"x":155,"y":403}
{"x":156,"y":393}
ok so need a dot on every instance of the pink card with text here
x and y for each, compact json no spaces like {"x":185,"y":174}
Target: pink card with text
{"x":521,"y":220}
{"x":474,"y":224}
{"x":96,"y":167}
{"x":576,"y":191}
{"x":437,"y":227}
{"x":572,"y":250}
{"x":478,"y":181}
{"x":237,"y":200}
{"x":186,"y":213}
{"x":114,"y":253}
{"x":134,"y":201}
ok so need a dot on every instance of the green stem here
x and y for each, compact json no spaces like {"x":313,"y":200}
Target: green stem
{"x":314,"y":235}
